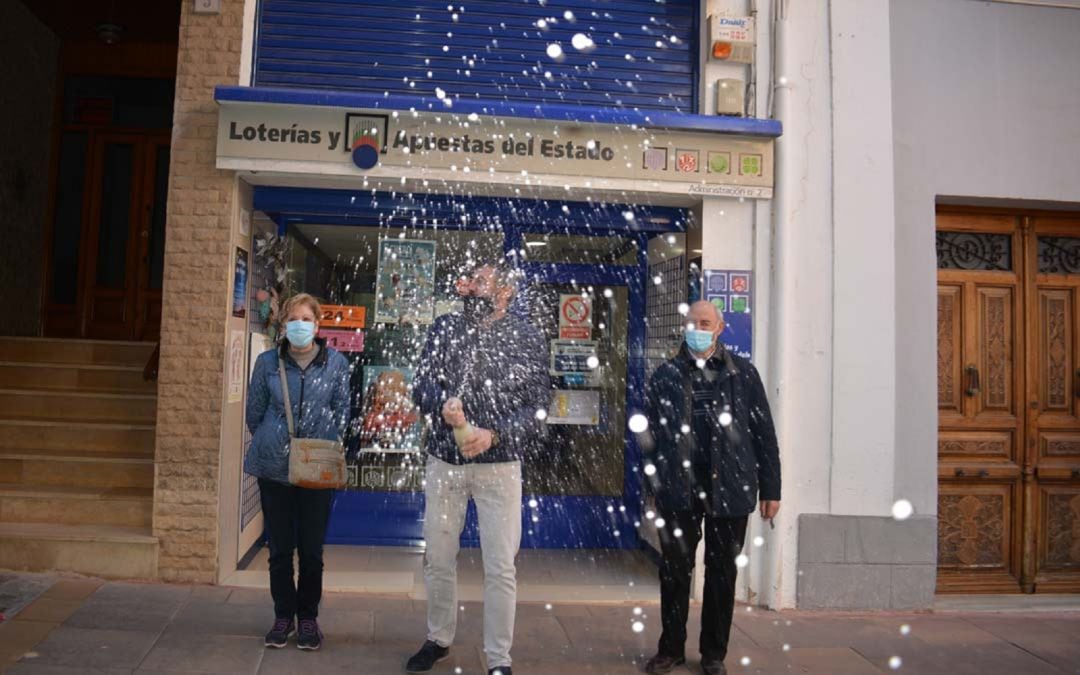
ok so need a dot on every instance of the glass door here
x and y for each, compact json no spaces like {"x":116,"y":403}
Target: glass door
{"x":582,"y":488}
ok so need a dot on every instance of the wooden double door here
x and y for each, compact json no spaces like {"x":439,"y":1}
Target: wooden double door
{"x":105,"y":261}
{"x":1008,"y":402}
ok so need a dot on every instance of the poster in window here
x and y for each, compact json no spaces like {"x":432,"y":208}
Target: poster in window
{"x":405,"y":285}
{"x":240,"y":274}
{"x":389,"y":420}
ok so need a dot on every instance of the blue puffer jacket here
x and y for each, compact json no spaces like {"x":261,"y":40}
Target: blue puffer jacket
{"x":320,"y":405}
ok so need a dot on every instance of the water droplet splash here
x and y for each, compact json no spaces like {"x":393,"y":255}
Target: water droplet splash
{"x":742,"y":560}
{"x":895,"y":662}
{"x":582,"y":42}
{"x":638,"y":423}
{"x":902,"y":509}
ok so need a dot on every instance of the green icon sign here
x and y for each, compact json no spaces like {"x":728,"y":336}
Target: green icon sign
{"x":719,"y":162}
{"x":751,"y":165}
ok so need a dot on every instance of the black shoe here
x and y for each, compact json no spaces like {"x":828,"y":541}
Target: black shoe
{"x":662,"y":663}
{"x":278,"y":636}
{"x":713,"y":667}
{"x":310,"y":637}
{"x":425,"y":659}
{"x":500,"y":670}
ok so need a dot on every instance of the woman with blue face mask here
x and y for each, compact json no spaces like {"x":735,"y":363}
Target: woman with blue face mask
{"x":296,"y":518}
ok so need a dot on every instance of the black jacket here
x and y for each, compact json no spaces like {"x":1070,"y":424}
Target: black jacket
{"x":745,"y":459}
{"x":501,"y":375}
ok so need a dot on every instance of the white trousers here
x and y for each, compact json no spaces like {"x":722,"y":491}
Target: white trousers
{"x":496,"y":490}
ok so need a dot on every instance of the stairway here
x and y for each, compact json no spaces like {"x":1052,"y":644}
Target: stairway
{"x":77,"y":457}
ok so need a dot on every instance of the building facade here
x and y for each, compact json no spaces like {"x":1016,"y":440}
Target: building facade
{"x":879,"y":159}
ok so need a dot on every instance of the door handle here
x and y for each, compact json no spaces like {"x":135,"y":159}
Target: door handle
{"x":973,"y":380}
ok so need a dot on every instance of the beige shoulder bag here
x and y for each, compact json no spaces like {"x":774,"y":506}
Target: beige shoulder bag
{"x":314,"y":463}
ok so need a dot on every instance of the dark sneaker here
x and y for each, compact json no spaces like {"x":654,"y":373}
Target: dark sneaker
{"x":500,"y":670}
{"x":309,"y":636}
{"x":713,"y":667}
{"x":425,"y":659}
{"x":278,"y":636}
{"x":661,"y":663}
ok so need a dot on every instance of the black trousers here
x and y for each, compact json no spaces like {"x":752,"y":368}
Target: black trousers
{"x":724,"y":539}
{"x":296,"y":518}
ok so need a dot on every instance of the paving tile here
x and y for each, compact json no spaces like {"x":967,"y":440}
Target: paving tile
{"x":938,"y":630}
{"x":200,"y":617}
{"x":141,"y":607}
{"x":354,"y":657}
{"x":19,"y":637}
{"x":210,"y":654}
{"x":49,"y":610}
{"x":527,"y":610}
{"x":72,"y":589}
{"x":592,"y":638}
{"x":356,"y":625}
{"x":375,"y":603}
{"x":250,"y":596}
{"x":997,"y":658}
{"x":538,"y":638}
{"x":124,"y":592}
{"x":210,"y":593}
{"x":772,"y":630}
{"x":1046,"y":639}
{"x":29,"y":667}
{"x":404,"y":626}
{"x":830,"y":661}
{"x":89,"y":648}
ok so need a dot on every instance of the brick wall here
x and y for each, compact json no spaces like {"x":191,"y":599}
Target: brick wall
{"x":197,"y":288}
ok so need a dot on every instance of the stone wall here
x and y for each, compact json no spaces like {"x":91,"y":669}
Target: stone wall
{"x":29,"y":56}
{"x":195,"y":303}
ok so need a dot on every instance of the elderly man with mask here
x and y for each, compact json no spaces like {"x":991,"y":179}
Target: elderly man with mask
{"x":713,"y":450}
{"x":481,"y":383}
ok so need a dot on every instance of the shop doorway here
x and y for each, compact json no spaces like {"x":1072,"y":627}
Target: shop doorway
{"x":582,"y":486}
{"x":1008,"y":402}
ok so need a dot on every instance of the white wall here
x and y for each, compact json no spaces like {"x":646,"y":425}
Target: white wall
{"x":864,"y":281}
{"x":985,"y":100}
{"x":801,"y":311}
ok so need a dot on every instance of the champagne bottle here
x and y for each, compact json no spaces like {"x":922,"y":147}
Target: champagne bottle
{"x":463,"y":431}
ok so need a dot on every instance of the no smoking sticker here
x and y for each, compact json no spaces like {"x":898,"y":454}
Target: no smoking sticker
{"x":575,"y":317}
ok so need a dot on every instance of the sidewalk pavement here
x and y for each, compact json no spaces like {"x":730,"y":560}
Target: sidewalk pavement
{"x":83,"y":625}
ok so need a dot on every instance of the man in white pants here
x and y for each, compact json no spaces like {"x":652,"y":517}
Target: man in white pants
{"x":481,"y":382}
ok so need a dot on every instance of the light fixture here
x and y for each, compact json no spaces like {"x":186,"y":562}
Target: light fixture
{"x":109,"y":33}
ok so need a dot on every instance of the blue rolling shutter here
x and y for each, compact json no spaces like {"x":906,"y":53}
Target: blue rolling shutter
{"x":645,"y":53}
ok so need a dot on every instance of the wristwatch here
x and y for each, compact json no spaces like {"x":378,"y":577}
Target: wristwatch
{"x":494,"y":439}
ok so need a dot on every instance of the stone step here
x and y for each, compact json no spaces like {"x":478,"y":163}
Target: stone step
{"x":75,"y":377}
{"x":73,"y":468}
{"x":55,"y":350}
{"x":82,"y":436}
{"x":98,"y":550}
{"x":29,"y":404}
{"x":128,"y":507}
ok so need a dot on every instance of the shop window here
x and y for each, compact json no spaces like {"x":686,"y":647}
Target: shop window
{"x":974,"y":251}
{"x":400,"y":280}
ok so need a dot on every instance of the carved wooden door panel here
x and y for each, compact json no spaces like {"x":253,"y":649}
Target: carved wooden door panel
{"x":1052,"y":494}
{"x":980,"y":395}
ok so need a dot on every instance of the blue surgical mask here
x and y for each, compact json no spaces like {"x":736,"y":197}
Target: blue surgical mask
{"x":300,"y":333}
{"x":699,"y":341}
